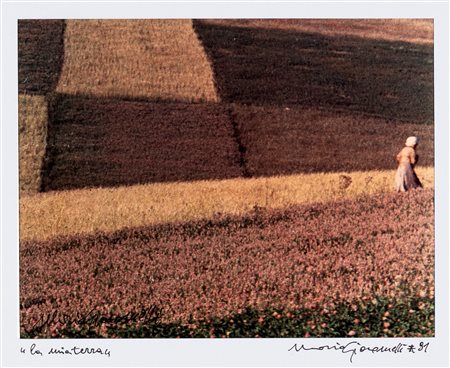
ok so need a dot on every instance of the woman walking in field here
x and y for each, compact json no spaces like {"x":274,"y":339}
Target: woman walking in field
{"x":406,"y":178}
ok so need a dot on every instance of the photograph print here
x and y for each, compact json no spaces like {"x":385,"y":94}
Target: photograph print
{"x":226,"y":178}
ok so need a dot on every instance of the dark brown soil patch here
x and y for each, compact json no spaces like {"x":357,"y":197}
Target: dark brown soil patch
{"x":285,"y":68}
{"x":280,"y":141}
{"x":107,"y":142}
{"x":40,"y":54}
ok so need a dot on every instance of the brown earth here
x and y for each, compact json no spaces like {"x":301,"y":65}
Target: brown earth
{"x":40,"y":54}
{"x":407,"y":30}
{"x":101,"y":142}
{"x":110,"y":142}
{"x":280,"y":141}
{"x":285,"y":67}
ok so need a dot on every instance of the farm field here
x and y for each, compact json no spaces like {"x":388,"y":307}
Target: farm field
{"x":392,"y":80}
{"x":167,"y":142}
{"x":224,"y":178}
{"x":299,"y":131}
{"x":163,"y":142}
{"x":84,"y":211}
{"x":33,"y":124}
{"x":282,"y":142}
{"x":148,"y":58}
{"x":335,"y":254}
{"x":418,"y":31}
{"x":41,"y":54}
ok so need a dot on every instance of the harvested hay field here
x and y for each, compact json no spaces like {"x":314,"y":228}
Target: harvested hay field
{"x":418,"y":31}
{"x":392,"y":80}
{"x":356,"y":252}
{"x":282,"y":142}
{"x":158,"y":59}
{"x":111,"y":142}
{"x":85,"y":211}
{"x":33,"y":118}
{"x":40,"y":54}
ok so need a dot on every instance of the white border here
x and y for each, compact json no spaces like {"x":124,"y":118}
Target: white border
{"x":222,"y":352}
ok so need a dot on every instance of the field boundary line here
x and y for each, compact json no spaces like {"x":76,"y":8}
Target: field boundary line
{"x":241,"y":147}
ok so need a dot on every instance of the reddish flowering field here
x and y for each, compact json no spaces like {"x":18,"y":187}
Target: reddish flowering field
{"x":352,"y":253}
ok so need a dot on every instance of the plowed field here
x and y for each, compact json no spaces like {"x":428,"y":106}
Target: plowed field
{"x":280,"y":141}
{"x":110,"y":142}
{"x":288,"y":67}
{"x":40,"y":54}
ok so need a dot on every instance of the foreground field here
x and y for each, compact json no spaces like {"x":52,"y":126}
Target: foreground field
{"x":108,"y":209}
{"x":328,"y":263}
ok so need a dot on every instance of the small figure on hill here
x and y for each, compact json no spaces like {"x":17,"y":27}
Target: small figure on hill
{"x":406,"y":178}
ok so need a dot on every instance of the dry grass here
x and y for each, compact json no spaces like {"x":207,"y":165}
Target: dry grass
{"x":33,"y":118}
{"x":406,"y":30}
{"x":107,"y":209}
{"x":157,"y":59}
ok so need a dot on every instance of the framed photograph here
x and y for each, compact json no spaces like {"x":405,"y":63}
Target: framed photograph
{"x":225,"y":184}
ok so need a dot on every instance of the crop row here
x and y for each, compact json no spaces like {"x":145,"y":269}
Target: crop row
{"x":289,"y":67}
{"x":312,"y":257}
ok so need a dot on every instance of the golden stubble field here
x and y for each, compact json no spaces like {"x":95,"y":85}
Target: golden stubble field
{"x":85,"y":211}
{"x":33,"y":118}
{"x":150,"y":58}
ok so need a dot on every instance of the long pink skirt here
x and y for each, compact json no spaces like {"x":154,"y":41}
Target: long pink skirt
{"x":406,"y":178}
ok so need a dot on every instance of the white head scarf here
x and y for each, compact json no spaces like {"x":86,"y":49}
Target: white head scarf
{"x":411,"y":141}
